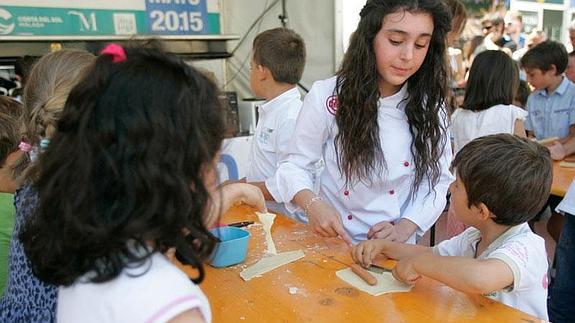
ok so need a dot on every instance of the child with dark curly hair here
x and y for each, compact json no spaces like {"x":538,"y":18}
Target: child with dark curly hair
{"x":130,"y":174}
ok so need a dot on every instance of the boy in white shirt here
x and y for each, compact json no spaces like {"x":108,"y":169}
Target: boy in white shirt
{"x":498,"y":256}
{"x":278,"y":60}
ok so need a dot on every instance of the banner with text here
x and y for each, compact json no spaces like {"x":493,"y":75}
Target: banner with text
{"x":132,"y":17}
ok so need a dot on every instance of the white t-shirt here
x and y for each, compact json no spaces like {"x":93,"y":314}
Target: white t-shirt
{"x":523,"y":251}
{"x":467,"y":125}
{"x":155,"y":292}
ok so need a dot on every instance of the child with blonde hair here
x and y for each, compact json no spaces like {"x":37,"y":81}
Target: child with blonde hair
{"x":26,"y":298}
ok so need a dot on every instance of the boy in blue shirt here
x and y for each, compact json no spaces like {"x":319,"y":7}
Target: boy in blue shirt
{"x":551,"y":107}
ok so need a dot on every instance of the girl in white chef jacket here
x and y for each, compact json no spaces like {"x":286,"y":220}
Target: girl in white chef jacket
{"x":380,"y":125}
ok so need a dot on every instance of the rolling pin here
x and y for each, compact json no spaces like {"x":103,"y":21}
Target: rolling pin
{"x":364,"y":274}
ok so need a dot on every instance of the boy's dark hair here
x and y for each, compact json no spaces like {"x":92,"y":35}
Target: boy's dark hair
{"x":123,"y":176}
{"x":523,"y":92}
{"x":10,"y":113}
{"x":493,"y":80}
{"x":282,"y":51}
{"x":545,"y":54}
{"x":511,"y":175}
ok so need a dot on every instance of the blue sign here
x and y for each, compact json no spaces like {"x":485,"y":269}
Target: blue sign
{"x":172,"y":17}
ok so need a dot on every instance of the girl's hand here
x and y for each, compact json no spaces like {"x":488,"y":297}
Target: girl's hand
{"x":365,"y":252}
{"x":238,"y":193}
{"x":404,"y":271}
{"x":326,"y":221}
{"x":398,"y":232}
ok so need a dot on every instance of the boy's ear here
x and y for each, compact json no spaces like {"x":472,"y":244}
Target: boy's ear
{"x":484,"y":212}
{"x":264,"y":72}
{"x":552,"y":69}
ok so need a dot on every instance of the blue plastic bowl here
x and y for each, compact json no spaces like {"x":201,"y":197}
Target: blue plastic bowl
{"x":233,"y":247}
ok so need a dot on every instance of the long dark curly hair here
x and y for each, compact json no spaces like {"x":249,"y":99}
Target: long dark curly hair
{"x":357,"y":143}
{"x":123,"y":175}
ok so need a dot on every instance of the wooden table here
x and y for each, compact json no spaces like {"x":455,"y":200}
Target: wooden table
{"x":321,"y":296}
{"x":562,"y":178}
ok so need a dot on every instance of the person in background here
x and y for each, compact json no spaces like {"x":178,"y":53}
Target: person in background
{"x":459,"y":19}
{"x":26,"y":298}
{"x":534,"y":38}
{"x":22,"y":68}
{"x":469,"y":50}
{"x":571,"y":45}
{"x":380,"y":125}
{"x":570,"y":70}
{"x":551,"y":108}
{"x":514,"y":28}
{"x":523,"y":92}
{"x":149,"y":147}
{"x":562,"y":289}
{"x":498,"y":256}
{"x":10,"y":112}
{"x":495,"y":38}
{"x":487,"y":109}
{"x":277,"y":64}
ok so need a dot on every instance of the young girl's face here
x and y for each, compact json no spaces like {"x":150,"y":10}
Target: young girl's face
{"x":400,"y":47}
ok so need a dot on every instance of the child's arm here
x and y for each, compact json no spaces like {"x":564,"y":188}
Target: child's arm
{"x":227,"y":196}
{"x":468,"y":275}
{"x":192,"y":315}
{"x":570,"y":136}
{"x":366,"y":252}
{"x":323,"y":218}
{"x":262,"y":186}
{"x":519,"y":129}
{"x":399,"y":231}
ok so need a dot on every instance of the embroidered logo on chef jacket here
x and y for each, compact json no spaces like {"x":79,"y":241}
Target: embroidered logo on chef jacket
{"x":331,"y":104}
{"x":264,"y":135}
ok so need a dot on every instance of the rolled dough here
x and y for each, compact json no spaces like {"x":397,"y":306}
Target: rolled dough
{"x":386,"y":283}
{"x":271,"y":263}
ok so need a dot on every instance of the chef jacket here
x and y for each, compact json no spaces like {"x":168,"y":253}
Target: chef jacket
{"x":362,"y":204}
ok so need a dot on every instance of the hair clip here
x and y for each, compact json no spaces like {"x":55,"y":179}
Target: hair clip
{"x":44,"y":143}
{"x":25,"y":147}
{"x":116,"y":51}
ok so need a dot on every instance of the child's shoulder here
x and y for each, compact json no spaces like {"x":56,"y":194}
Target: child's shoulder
{"x":520,"y":241}
{"x":325,"y":84}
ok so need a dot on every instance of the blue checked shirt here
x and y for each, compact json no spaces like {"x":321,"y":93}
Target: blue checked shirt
{"x":551,"y":115}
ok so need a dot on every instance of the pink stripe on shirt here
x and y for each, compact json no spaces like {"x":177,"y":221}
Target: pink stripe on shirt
{"x":171,"y":305}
